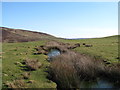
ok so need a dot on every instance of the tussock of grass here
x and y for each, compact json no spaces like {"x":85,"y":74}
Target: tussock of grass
{"x":32,"y":64}
{"x":64,"y":73}
{"x":26,"y":75}
{"x":69,"y":69}
{"x":16,"y":84}
{"x":113,"y":72}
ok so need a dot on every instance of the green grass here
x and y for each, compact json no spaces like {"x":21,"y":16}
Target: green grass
{"x":0,"y":65}
{"x":106,"y":48}
{"x":12,"y":55}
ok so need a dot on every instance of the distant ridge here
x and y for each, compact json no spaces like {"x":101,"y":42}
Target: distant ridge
{"x":77,"y":38}
{"x":18,"y":35}
{"x":94,"y":37}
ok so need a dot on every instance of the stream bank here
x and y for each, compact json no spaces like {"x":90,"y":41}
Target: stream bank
{"x":70,"y":69}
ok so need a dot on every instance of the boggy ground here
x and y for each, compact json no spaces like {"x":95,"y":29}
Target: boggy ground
{"x":70,"y":68}
{"x":22,"y":69}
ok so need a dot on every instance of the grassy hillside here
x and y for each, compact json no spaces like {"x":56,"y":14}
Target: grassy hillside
{"x":19,"y":35}
{"x":0,"y":65}
{"x":106,"y":48}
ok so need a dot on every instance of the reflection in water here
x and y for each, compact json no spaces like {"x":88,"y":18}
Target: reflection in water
{"x":53,"y":53}
{"x":99,"y":83}
{"x":104,"y":84}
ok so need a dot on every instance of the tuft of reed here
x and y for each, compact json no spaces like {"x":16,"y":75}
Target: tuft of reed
{"x":68,"y":68}
{"x":64,"y":73}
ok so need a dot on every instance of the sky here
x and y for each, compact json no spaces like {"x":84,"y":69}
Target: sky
{"x":63,"y":19}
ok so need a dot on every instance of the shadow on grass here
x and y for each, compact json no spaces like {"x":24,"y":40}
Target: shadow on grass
{"x":25,"y":68}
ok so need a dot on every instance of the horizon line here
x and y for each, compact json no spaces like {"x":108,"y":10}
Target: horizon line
{"x":58,"y":36}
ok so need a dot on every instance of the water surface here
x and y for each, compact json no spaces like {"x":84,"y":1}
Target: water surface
{"x":52,"y":53}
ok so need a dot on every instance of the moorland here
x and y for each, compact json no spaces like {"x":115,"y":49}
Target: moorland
{"x":25,"y":60}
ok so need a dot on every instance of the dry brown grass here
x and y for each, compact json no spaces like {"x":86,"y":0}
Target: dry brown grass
{"x":64,"y":73}
{"x":67,"y":70}
{"x":113,"y":72}
{"x":26,"y":75}
{"x":18,"y":35}
{"x":32,"y":64}
{"x":70,"y":68}
{"x":16,"y":84}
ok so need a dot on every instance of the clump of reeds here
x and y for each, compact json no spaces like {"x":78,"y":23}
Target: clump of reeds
{"x":64,"y":73}
{"x":113,"y":72}
{"x":70,"y":68}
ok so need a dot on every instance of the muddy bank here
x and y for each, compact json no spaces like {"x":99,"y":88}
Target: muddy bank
{"x":71,"y":68}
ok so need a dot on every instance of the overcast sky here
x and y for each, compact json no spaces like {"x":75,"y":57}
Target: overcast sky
{"x":63,"y":19}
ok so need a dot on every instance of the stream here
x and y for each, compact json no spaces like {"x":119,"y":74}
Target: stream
{"x":99,"y":83}
{"x":52,"y":53}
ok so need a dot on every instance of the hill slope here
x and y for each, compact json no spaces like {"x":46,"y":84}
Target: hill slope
{"x":106,"y":47}
{"x":19,"y":35}
{"x":13,"y":53}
